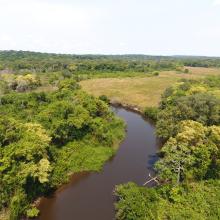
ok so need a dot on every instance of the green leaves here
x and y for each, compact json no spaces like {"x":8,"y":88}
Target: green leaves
{"x":190,"y":153}
{"x":32,"y":212}
{"x":136,"y":202}
{"x":198,"y":200}
{"x":68,"y":84}
{"x":188,"y":121}
{"x":17,"y":205}
{"x":20,"y":83}
{"x":46,"y":137}
{"x":187,"y":101}
{"x":43,"y":170}
{"x":151,"y":113}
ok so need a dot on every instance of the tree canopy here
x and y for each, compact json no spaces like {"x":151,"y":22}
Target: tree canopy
{"x":188,"y":168}
{"x":46,"y":136}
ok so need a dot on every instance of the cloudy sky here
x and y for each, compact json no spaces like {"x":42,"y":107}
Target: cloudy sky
{"x":157,"y":27}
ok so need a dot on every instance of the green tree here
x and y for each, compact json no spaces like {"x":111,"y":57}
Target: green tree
{"x":188,"y":154}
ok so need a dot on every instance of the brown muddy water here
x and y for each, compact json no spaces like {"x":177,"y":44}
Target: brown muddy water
{"x":89,"y":196}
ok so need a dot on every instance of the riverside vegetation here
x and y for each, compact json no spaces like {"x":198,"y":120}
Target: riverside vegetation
{"x":188,"y":121}
{"x":44,"y":138}
{"x":50,"y":129}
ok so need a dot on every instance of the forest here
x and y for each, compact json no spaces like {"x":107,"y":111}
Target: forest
{"x":45,"y":137}
{"x":52,"y":128}
{"x":20,"y":61}
{"x":188,"y":122}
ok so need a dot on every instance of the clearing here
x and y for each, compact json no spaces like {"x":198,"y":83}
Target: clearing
{"x":141,"y":91}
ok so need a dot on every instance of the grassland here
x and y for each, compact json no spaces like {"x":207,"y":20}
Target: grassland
{"x":141,"y":91}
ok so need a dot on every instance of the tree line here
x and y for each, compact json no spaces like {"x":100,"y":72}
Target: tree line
{"x":20,"y":61}
{"x":188,"y":169}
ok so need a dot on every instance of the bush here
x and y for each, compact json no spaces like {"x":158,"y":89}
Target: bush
{"x":17,"y":205}
{"x":33,"y":212}
{"x":151,"y":113}
{"x":104,"y":98}
{"x":196,"y":201}
{"x":156,"y":73}
{"x":186,"y":70}
{"x":135,"y":202}
{"x":68,"y":84}
{"x":46,"y":136}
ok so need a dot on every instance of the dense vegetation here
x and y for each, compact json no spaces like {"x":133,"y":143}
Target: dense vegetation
{"x":19,"y":83}
{"x":188,"y":121}
{"x":24,"y":71}
{"x":45,"y":137}
{"x":42,"y":62}
{"x":200,"y":200}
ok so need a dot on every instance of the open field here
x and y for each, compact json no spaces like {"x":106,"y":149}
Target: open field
{"x":141,"y":91}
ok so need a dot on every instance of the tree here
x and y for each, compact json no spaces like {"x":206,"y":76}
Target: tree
{"x":151,"y":113}
{"x":201,"y":107}
{"x":68,"y":84}
{"x":23,"y":158}
{"x":188,"y":154}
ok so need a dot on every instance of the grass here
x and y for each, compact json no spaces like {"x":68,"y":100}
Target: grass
{"x":141,"y":91}
{"x":45,"y":88}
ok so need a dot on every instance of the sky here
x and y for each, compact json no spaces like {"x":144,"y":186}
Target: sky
{"x":153,"y":27}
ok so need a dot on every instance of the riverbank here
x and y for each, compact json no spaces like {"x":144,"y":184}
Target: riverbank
{"x":188,"y":165}
{"x":90,"y":195}
{"x":52,"y":136}
{"x":93,"y":163}
{"x":128,"y":107}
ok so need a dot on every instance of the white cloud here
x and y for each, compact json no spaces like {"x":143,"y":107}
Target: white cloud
{"x":46,"y":25}
{"x":43,"y":13}
{"x":216,"y":3}
{"x":111,"y":26}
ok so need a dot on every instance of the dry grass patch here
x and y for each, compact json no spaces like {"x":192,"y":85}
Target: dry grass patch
{"x":201,"y":71}
{"x":141,"y":91}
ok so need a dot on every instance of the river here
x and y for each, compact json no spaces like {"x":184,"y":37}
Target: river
{"x":89,"y":196}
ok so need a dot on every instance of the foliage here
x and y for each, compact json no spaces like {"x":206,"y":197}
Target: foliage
{"x":135,"y":202}
{"x":151,"y":113}
{"x":191,"y":153}
{"x":33,"y":212}
{"x":155,"y":73}
{"x":104,"y":98}
{"x":44,"y":137}
{"x":20,"y":83}
{"x":187,"y":101}
{"x":17,"y":205}
{"x":199,"y":200}
{"x":188,"y":120}
{"x":42,"y":62}
{"x":189,"y":117}
{"x":68,"y":84}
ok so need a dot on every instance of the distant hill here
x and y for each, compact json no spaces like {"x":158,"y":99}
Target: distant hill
{"x":43,"y":62}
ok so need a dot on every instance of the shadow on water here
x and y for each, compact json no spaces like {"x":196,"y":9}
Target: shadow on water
{"x":89,"y":196}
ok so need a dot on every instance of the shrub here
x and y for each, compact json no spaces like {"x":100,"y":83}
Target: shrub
{"x":186,"y":70}
{"x":104,"y":98}
{"x":151,"y":113}
{"x":156,"y":73}
{"x":33,"y":212}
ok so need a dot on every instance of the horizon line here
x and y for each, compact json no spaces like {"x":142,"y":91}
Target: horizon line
{"x":109,"y":54}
